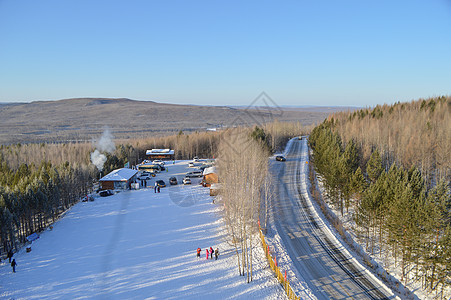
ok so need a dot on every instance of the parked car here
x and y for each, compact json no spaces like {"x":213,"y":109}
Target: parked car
{"x":144,"y":176}
{"x":280,"y":158}
{"x":158,"y":161}
{"x":196,"y":158}
{"x":106,"y":193}
{"x":194,"y":174}
{"x":160,"y":183}
{"x":191,"y":164}
{"x":161,"y":167}
{"x":173,"y":181}
{"x":186,"y":180}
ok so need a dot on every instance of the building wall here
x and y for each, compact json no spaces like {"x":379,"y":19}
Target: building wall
{"x":107,"y":185}
{"x":214,"y":192}
{"x":114,"y":185}
{"x":162,"y":156}
{"x":210,"y":178}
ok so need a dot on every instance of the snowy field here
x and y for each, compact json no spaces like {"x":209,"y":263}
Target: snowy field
{"x":137,"y":245}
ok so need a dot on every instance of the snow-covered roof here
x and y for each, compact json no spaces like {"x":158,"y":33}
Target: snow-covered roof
{"x":209,"y":170}
{"x":160,"y":152}
{"x":123,"y":174}
{"x":215,"y":186}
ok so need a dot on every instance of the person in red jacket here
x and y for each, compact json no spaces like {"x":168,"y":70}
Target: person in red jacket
{"x":198,"y":252}
{"x":207,"y":252}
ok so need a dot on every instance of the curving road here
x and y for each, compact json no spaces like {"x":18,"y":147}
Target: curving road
{"x":327,"y":267}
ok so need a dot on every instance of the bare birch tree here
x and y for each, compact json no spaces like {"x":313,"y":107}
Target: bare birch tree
{"x":243,"y":169}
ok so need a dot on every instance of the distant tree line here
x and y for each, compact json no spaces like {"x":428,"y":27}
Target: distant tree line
{"x":393,"y":204}
{"x":186,"y":146}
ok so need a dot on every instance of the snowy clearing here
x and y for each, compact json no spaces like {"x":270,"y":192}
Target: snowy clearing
{"x":137,"y":245}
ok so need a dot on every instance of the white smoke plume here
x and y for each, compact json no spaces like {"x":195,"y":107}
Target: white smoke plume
{"x":104,"y":144}
{"x":98,"y":159}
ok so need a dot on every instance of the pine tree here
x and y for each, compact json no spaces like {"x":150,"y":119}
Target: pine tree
{"x":358,"y":184}
{"x":374,"y":166}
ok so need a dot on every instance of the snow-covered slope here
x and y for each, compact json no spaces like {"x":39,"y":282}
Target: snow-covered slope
{"x":137,"y":245}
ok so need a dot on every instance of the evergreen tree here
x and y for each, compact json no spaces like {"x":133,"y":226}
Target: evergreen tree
{"x":358,"y":184}
{"x":374,"y":166}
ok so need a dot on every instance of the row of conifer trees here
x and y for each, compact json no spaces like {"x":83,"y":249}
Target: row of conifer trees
{"x":395,"y":210}
{"x":33,"y":197}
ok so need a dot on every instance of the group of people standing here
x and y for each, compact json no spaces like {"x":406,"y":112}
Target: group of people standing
{"x":209,"y":252}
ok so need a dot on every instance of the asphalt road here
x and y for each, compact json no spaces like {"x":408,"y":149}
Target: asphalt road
{"x":327,"y":267}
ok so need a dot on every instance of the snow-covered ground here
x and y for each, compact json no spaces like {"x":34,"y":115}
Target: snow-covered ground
{"x":137,"y":245}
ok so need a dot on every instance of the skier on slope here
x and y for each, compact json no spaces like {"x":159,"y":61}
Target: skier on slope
{"x":211,"y":252}
{"x":207,"y":252}
{"x":198,"y":252}
{"x":14,"y":264}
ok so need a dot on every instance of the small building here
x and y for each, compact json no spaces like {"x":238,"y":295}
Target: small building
{"x":166,"y":154}
{"x":215,"y":189}
{"x":210,"y":176}
{"x":118,"y":179}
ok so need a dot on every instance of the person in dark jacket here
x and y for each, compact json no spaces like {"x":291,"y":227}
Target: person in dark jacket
{"x":216,"y":253}
{"x":14,"y":264}
{"x":10,"y":255}
{"x":211,"y":252}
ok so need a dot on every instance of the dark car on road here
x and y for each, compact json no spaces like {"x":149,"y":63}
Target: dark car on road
{"x":106,"y":193}
{"x":161,"y":183}
{"x":173,"y":181}
{"x":280,"y":158}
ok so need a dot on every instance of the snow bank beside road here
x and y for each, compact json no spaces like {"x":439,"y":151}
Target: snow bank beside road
{"x":135,"y":245}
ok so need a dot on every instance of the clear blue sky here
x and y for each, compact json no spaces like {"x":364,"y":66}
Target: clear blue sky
{"x":359,"y":53}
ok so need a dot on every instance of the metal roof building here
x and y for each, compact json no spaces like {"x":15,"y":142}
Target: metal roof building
{"x":118,"y":179}
{"x":160,"y":154}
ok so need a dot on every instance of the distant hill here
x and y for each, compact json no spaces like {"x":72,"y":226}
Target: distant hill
{"x":82,"y":119}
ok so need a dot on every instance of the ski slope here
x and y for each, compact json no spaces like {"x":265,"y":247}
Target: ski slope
{"x":137,"y":245}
